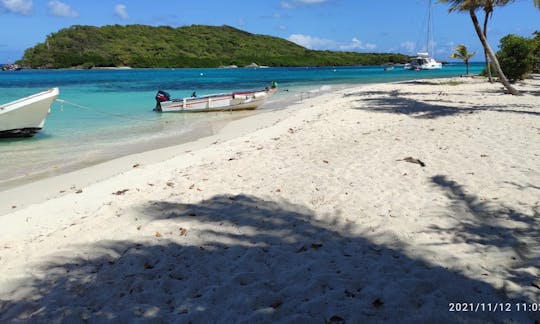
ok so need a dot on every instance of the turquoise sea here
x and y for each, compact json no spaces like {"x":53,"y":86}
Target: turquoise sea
{"x":109,"y":113}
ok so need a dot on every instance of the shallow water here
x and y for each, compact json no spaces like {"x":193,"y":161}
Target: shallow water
{"x":109,"y":113}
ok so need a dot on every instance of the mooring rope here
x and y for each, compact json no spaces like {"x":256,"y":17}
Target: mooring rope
{"x":122,"y":116}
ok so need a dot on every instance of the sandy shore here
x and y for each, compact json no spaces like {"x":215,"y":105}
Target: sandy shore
{"x":389,"y":202}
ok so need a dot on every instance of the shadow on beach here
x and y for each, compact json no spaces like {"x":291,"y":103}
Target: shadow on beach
{"x":485,"y":225}
{"x":395,"y":102}
{"x":245,"y":259}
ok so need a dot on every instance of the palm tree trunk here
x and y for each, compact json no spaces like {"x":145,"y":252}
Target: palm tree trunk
{"x":488,"y":66}
{"x":467,"y":65}
{"x":491,"y":55}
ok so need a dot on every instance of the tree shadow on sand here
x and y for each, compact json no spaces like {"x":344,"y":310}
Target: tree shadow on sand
{"x":245,"y":259}
{"x":395,"y":102}
{"x":486,"y":224}
{"x":531,"y":89}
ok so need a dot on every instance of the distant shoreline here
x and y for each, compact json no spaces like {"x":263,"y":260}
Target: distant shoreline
{"x":111,"y":68}
{"x":232,"y":67}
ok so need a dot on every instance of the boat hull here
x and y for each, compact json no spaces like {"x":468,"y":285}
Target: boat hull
{"x":248,"y":100}
{"x":431,"y":66}
{"x":16,"y":133}
{"x":423,"y":62}
{"x":26,"y":116}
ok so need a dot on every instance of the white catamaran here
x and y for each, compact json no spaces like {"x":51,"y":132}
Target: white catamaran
{"x":423,"y":61}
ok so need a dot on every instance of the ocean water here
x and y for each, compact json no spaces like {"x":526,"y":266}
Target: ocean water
{"x":109,"y":113}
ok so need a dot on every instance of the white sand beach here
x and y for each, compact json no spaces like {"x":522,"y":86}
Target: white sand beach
{"x":379,"y":203}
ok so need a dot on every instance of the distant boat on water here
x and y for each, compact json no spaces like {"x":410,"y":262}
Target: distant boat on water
{"x":10,"y":67}
{"x":423,"y":61}
{"x":26,"y":116}
{"x":240,"y":100}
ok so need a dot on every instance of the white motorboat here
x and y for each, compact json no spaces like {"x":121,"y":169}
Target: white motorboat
{"x":26,"y":116}
{"x":241,"y":100}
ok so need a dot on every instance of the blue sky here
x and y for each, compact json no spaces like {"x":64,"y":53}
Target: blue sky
{"x":355,"y":25}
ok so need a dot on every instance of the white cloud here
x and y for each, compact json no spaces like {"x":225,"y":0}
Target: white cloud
{"x":409,"y":47}
{"x":286,"y":5}
{"x":356,"y":45}
{"x":120,"y":11}
{"x":60,"y":9}
{"x":317,"y":43}
{"x":23,"y":7}
{"x":294,"y":3}
{"x":311,"y":42}
{"x":275,"y":16}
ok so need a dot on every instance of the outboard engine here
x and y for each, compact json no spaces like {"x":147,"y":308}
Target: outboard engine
{"x":161,"y":96}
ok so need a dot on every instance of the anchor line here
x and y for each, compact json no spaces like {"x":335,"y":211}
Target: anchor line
{"x":122,"y":116}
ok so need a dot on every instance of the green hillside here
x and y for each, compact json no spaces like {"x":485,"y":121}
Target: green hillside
{"x":190,"y":46}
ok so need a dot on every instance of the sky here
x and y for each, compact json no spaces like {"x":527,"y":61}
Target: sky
{"x":397,"y":26}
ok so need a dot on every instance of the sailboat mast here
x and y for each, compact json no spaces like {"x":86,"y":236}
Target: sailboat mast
{"x":428,"y":40}
{"x":424,"y":61}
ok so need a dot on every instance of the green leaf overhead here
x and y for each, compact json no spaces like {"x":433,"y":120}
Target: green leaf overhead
{"x":190,"y":46}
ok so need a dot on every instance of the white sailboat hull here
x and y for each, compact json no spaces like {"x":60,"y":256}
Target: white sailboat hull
{"x":26,"y":116}
{"x":423,"y":62}
{"x":248,"y":100}
{"x":432,"y":65}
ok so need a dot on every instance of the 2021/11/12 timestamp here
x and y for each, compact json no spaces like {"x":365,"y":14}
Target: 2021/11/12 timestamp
{"x":494,"y":307}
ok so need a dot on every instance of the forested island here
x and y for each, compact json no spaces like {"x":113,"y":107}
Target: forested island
{"x":142,"y":46}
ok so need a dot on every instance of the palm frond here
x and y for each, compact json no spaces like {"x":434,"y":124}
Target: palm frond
{"x":487,"y":5}
{"x":460,"y":52}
